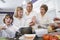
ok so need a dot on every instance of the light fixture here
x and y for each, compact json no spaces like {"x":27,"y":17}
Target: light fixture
{"x":24,"y":2}
{"x":3,"y":1}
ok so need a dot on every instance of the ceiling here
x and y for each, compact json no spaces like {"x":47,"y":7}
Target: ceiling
{"x":10,"y":5}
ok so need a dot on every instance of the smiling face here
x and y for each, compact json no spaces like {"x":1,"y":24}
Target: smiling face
{"x":8,"y":21}
{"x":20,"y":13}
{"x":42,"y":10}
{"x":29,"y":7}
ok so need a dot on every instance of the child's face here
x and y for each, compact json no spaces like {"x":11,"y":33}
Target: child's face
{"x":20,"y":13}
{"x":8,"y":21}
{"x":42,"y":10}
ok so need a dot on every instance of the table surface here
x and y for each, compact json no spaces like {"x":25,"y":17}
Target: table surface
{"x":36,"y":38}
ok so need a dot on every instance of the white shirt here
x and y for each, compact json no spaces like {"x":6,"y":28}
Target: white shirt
{"x":19,"y":23}
{"x":9,"y":32}
{"x":28,"y":18}
{"x":42,"y":20}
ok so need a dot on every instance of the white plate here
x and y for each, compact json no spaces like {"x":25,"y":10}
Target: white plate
{"x":26,"y":36}
{"x":40,"y":32}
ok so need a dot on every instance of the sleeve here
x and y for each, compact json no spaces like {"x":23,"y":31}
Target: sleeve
{"x":10,"y":33}
{"x":4,"y":34}
{"x":49,"y":20}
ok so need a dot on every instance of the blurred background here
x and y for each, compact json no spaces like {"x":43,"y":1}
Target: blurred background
{"x":8,"y":7}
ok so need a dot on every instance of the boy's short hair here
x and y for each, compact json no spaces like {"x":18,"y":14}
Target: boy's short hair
{"x":45,"y":7}
{"x":9,"y":16}
{"x":30,"y":3}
